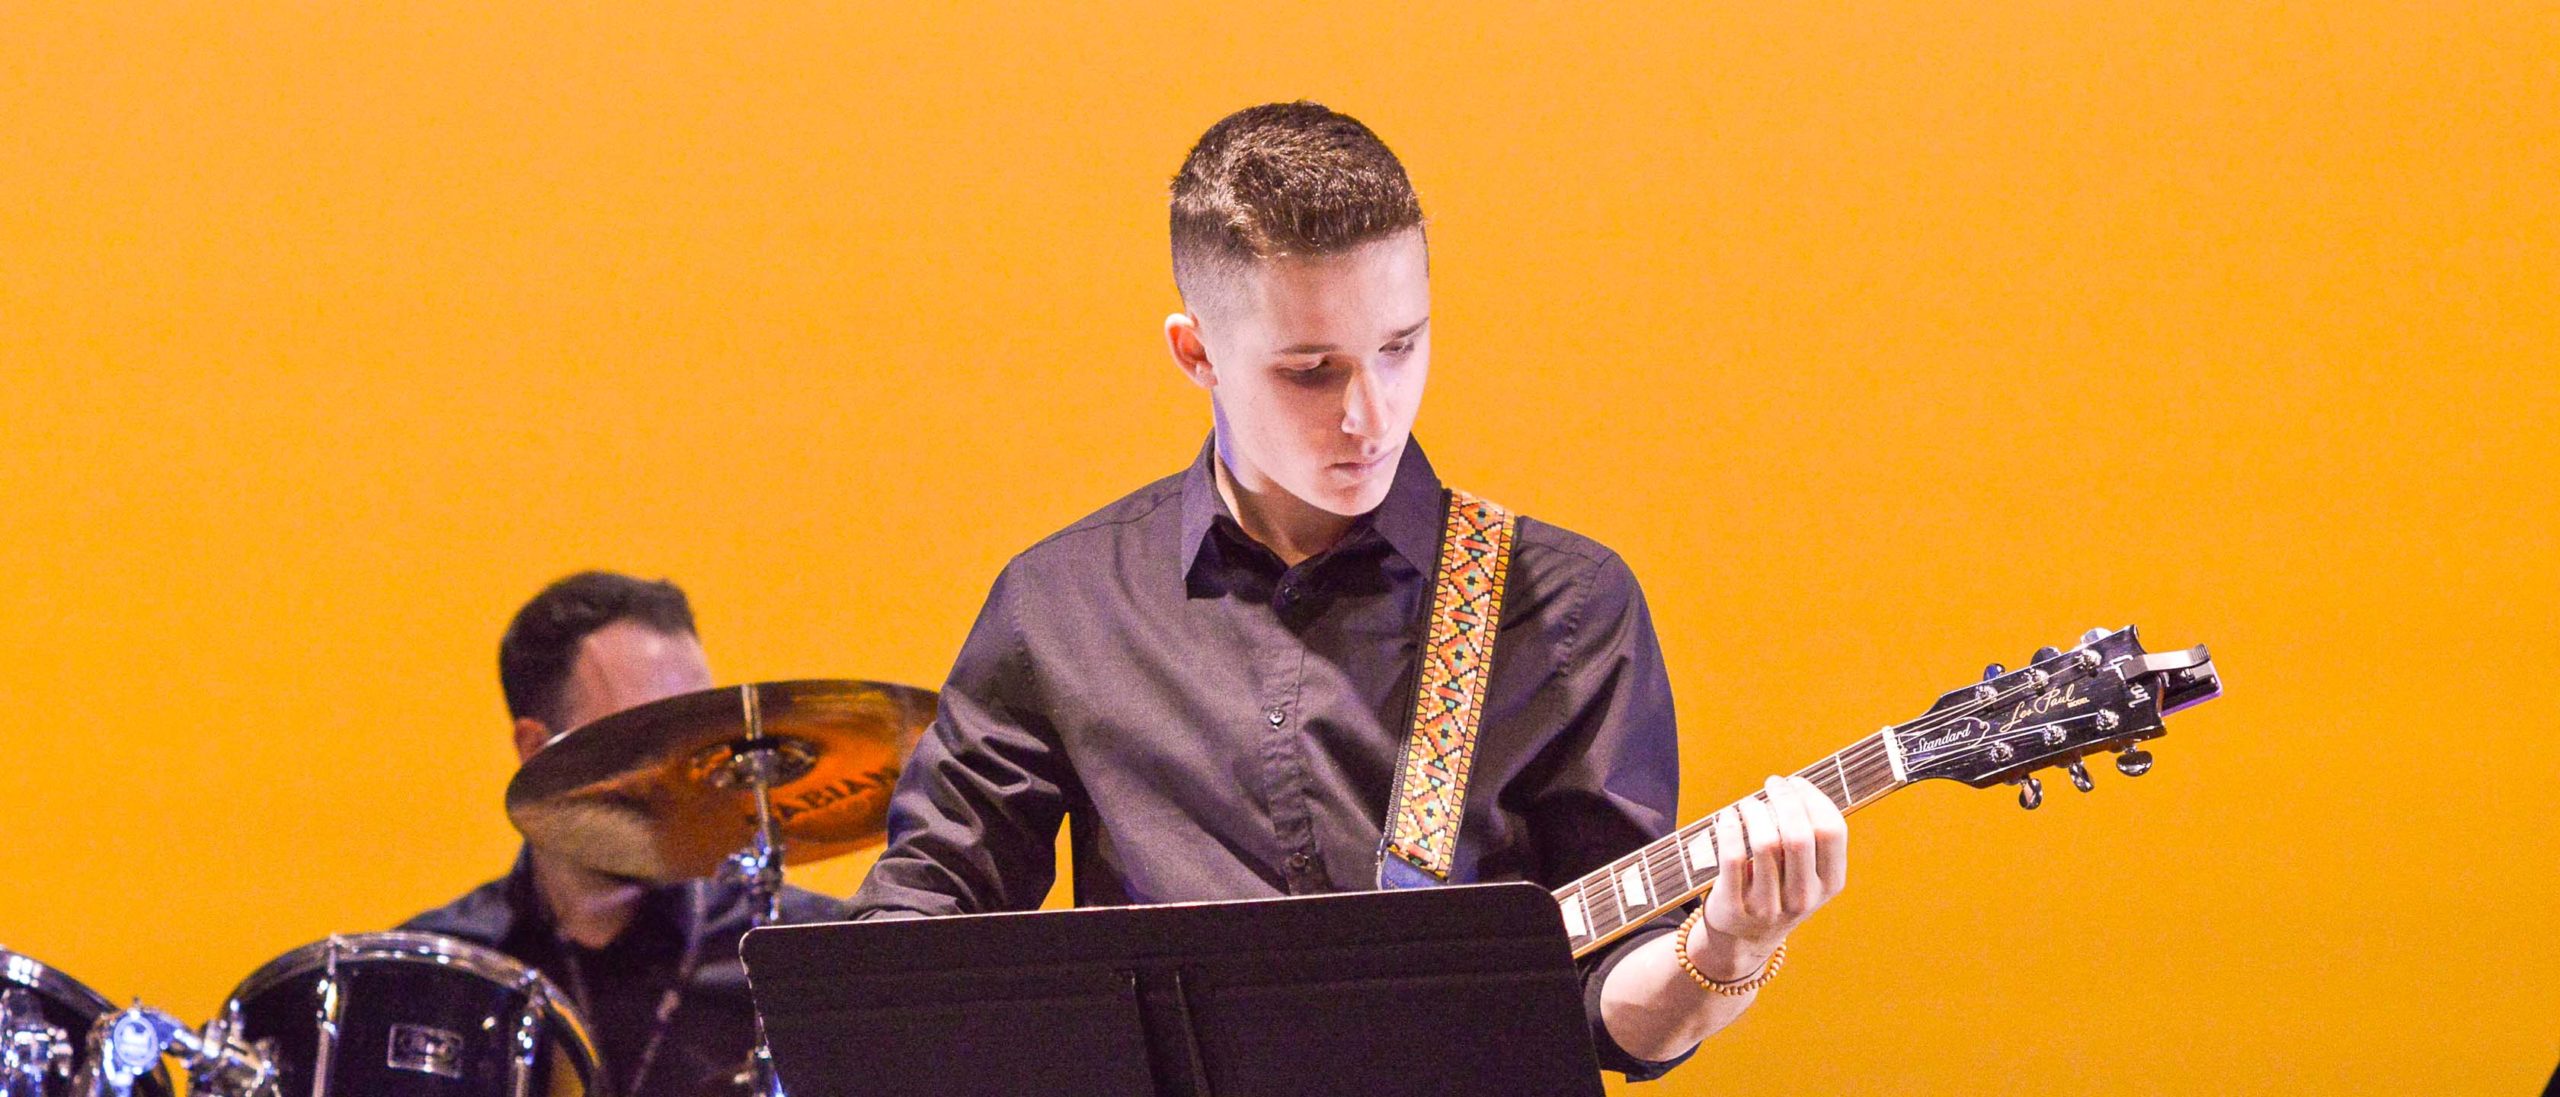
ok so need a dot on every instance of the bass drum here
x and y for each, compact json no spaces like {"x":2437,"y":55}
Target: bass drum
{"x":416,"y":1015}
{"x":45,"y":1017}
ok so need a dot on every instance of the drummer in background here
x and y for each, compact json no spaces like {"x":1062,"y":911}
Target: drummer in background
{"x":653,"y":968}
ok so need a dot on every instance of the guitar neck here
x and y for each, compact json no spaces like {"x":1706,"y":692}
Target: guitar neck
{"x":1634,"y":889}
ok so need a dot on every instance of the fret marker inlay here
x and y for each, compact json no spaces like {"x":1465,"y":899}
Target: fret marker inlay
{"x":1631,"y":885}
{"x":1575,"y":925}
{"x":1702,"y":851}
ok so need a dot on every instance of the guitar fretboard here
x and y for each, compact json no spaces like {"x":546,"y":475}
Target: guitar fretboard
{"x":1642,"y":885}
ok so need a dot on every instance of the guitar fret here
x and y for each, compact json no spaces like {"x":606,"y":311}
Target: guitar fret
{"x":1662,"y":870}
{"x":1889,"y":777}
{"x":1680,"y":856}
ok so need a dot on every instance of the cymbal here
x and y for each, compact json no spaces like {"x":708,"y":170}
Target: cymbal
{"x":663,"y":791}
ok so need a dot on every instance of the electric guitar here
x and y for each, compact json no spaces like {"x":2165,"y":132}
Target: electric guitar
{"x":2106,"y":694}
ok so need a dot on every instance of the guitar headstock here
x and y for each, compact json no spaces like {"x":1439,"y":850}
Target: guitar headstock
{"x":2106,"y":694}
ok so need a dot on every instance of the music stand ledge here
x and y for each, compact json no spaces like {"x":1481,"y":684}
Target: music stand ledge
{"x":1431,"y":991}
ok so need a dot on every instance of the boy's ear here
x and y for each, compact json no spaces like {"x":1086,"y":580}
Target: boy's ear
{"x":1190,"y":355}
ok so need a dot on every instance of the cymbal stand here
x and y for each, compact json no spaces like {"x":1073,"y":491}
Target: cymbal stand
{"x":760,"y":763}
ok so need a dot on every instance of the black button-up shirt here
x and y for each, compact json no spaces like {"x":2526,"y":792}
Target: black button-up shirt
{"x":617,"y":988}
{"x":1214,"y":724}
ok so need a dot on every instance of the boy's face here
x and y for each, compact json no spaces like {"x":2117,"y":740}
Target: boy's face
{"x":1315,"y":369}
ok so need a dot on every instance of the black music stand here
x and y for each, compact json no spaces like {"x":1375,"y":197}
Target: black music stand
{"x":1426,"y":992}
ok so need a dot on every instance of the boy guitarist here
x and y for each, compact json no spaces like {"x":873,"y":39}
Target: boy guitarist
{"x":1213,"y":677}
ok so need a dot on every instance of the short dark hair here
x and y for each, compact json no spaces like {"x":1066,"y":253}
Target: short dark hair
{"x":541,"y":643}
{"x":1282,"y":179}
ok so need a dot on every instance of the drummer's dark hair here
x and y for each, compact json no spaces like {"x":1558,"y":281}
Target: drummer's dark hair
{"x":542,"y":642}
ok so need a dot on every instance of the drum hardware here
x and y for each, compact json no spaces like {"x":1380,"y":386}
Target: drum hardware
{"x":32,"y":1050}
{"x":332,"y":1003}
{"x":47,"y":1020}
{"x":759,"y":866}
{"x":762,"y":763}
{"x":126,"y":1047}
{"x":528,"y":1036}
{"x":734,"y":782}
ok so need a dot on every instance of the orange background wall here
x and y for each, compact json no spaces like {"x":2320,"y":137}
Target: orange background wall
{"x":1884,"y":340}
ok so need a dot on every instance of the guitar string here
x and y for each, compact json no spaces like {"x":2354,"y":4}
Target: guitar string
{"x":1669,"y":852}
{"x":1868,"y":759}
{"x":1873,"y":761}
{"x":1872,"y":758}
{"x":1654,"y":859}
{"x":1873,"y":755}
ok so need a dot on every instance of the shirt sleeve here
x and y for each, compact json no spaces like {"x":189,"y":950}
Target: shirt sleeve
{"x":973,"y":822}
{"x":1614,"y":784}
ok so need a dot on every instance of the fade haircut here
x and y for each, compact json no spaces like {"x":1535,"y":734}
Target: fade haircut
{"x":541,"y":644}
{"x":1281,"y":179}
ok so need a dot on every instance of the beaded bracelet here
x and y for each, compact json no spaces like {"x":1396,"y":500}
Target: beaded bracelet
{"x":1738,"y":988}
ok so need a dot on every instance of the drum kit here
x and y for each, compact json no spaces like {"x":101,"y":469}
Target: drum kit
{"x":733,"y":782}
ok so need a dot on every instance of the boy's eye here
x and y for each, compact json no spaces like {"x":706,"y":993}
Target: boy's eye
{"x":1398,"y":348}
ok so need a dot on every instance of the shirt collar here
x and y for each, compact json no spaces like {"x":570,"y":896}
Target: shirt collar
{"x":1408,"y":519}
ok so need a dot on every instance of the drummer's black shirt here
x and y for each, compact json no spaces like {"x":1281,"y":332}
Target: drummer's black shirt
{"x":1214,"y":724}
{"x":618,"y":987}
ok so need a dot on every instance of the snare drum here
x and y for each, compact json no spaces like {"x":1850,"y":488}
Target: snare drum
{"x":45,"y":1017}
{"x":416,"y":1015}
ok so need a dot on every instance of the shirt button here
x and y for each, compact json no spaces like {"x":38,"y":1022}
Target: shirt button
{"x":1276,"y":716}
{"x":1299,"y":863}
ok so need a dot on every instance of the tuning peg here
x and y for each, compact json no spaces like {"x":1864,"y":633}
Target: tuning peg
{"x":1993,"y":671}
{"x":2030,"y":793}
{"x":2044,"y":653}
{"x":2134,"y":762}
{"x":2079,"y":776}
{"x":2094,"y":635}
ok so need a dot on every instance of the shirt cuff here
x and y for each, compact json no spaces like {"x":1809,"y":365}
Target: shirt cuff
{"x":1613,"y":1057}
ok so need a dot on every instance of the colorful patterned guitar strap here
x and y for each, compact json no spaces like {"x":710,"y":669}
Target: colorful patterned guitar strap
{"x":1429,"y":797}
